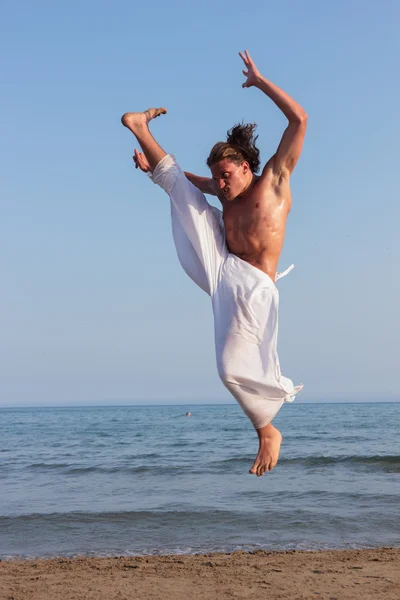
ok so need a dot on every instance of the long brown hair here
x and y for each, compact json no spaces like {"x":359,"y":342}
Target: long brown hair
{"x":240,"y":146}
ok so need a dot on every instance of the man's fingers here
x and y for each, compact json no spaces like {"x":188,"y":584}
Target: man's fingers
{"x":246,"y":74}
{"x":250,"y":62}
{"x":136,"y":159}
{"x":244,"y":59}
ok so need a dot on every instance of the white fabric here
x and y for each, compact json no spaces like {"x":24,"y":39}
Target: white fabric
{"x":244,"y":299}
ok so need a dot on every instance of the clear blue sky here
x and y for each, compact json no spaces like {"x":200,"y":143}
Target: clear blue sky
{"x":94,"y":307}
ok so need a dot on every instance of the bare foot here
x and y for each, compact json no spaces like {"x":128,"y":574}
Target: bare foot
{"x":133,"y":121}
{"x":270,"y":439}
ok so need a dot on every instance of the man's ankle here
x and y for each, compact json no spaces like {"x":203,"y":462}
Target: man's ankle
{"x":265,"y":433}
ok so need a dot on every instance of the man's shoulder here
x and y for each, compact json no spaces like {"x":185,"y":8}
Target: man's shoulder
{"x":271,"y":179}
{"x":275,"y":173}
{"x":271,"y":191}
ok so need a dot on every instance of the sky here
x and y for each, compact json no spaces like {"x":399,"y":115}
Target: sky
{"x":94,"y":307}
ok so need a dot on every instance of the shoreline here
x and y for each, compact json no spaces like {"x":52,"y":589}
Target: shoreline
{"x":293,"y":574}
{"x":22,"y":558}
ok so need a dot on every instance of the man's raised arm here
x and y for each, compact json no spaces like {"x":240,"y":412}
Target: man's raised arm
{"x":289,"y":149}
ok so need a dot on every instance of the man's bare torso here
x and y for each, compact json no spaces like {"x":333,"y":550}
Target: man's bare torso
{"x":255,"y":222}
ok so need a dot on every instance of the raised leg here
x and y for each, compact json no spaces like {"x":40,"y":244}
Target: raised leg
{"x":138,"y":123}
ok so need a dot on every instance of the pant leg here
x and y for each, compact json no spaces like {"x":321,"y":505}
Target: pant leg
{"x":187,"y":255}
{"x":197,"y":226}
{"x":246,"y":330}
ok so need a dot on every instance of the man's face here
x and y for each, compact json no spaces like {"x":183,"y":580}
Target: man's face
{"x":230,"y":177}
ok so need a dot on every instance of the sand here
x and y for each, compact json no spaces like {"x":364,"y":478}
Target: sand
{"x":330,"y":575}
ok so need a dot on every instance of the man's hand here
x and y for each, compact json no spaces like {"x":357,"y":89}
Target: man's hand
{"x":251,"y":72}
{"x":141,"y":162}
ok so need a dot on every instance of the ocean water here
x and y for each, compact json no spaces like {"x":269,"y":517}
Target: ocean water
{"x":148,"y":480}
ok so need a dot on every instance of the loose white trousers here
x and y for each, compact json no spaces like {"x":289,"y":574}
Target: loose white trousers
{"x":244,"y":299}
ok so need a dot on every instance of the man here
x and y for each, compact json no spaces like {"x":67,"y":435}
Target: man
{"x":233,"y":255}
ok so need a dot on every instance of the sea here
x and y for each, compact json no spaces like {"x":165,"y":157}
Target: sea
{"x":137,"y":480}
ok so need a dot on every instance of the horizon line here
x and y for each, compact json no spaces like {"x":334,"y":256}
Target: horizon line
{"x":8,"y":406}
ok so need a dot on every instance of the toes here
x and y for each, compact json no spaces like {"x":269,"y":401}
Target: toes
{"x":160,"y":111}
{"x":260,"y":470}
{"x":263,"y":468}
{"x":254,"y":468}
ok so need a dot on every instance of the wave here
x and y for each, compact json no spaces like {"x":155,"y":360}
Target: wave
{"x":167,"y":517}
{"x":385,"y":462}
{"x":47,"y":466}
{"x":151,"y":464}
{"x":182,"y":515}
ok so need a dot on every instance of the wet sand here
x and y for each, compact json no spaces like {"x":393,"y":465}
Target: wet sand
{"x":330,"y":575}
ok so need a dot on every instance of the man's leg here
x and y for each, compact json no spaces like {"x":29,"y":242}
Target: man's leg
{"x":197,"y":226}
{"x":138,"y":123}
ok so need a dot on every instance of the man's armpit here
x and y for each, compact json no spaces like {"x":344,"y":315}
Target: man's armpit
{"x":274,"y":174}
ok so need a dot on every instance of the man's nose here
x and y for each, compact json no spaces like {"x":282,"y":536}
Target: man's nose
{"x":221,"y":184}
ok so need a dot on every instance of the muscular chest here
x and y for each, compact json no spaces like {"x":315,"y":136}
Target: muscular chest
{"x":249,"y":217}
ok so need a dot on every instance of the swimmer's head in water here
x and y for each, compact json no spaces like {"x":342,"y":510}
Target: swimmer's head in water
{"x":233,"y":161}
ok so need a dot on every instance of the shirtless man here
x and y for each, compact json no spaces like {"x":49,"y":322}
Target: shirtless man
{"x":234,"y":255}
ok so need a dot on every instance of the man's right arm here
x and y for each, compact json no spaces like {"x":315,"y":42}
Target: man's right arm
{"x":204,"y":184}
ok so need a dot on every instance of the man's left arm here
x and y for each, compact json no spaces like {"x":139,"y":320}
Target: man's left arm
{"x":289,"y":149}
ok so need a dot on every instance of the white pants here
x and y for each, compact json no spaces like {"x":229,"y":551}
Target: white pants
{"x":244,"y":299}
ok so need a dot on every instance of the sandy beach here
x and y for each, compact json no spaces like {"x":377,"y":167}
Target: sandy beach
{"x":330,"y":575}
